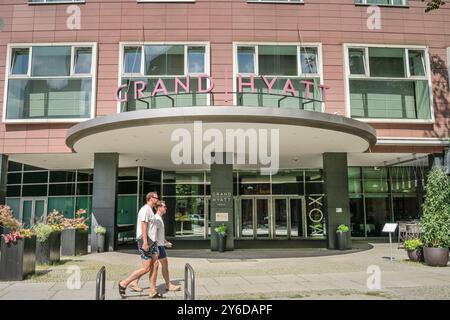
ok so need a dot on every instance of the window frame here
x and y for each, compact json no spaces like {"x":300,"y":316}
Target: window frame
{"x":73,"y":45}
{"x":256,"y":45}
{"x":141,"y":74}
{"x":57,"y":2}
{"x":364,"y":3}
{"x":348,"y":76}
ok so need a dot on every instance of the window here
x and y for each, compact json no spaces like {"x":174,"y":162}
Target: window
{"x":55,"y":1}
{"x":388,"y":83}
{"x":168,"y":65}
{"x":383,"y":2}
{"x":280,"y":65}
{"x":50,"y":83}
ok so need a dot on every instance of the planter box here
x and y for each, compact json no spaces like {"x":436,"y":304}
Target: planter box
{"x":18,"y":260}
{"x":343,"y":241}
{"x":436,"y":257}
{"x":49,"y":252}
{"x":415,"y":255}
{"x":74,"y":242}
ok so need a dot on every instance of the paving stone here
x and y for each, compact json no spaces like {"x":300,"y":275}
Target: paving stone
{"x":230,"y":280}
{"x":28,"y":295}
{"x":27,"y":286}
{"x":259,"y":279}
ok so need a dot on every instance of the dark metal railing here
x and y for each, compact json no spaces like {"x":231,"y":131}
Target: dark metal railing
{"x":100,"y":284}
{"x":303,"y":100}
{"x":189,"y":294}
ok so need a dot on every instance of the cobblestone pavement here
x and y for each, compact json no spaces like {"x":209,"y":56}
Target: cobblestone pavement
{"x":247,"y":274}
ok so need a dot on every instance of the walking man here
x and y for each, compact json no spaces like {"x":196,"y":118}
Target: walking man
{"x":147,"y":245}
{"x":162,"y":243}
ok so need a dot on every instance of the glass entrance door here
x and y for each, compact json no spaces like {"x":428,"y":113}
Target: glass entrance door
{"x":32,"y":210}
{"x":288,"y":217}
{"x":255,"y":218}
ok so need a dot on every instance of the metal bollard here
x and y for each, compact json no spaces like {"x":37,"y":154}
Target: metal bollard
{"x":189,"y":294}
{"x":100,"y":284}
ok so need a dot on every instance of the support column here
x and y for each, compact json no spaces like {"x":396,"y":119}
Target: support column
{"x":104,"y":198}
{"x":3,"y":175}
{"x":337,"y":205}
{"x":222,"y":204}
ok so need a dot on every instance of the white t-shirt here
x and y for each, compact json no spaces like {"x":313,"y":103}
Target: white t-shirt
{"x":160,"y":233}
{"x":146,"y":214}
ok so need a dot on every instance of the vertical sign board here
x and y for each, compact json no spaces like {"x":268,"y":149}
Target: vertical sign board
{"x":390,"y":228}
{"x":222,"y":204}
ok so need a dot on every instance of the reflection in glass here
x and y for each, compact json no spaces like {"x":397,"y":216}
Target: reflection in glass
{"x":262,"y":218}
{"x":277,"y":60}
{"x":246,"y":60}
{"x":308,"y":58}
{"x":164,"y":60}
{"x":280,"y":208}
{"x":20,"y":58}
{"x":132,"y":60}
{"x":83,"y":61}
{"x":247,"y":218}
{"x":51,"y":61}
{"x":296,"y":218}
{"x":196,"y":60}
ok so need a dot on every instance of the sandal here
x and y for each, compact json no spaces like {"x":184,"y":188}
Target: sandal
{"x":173,"y":288}
{"x":136,"y":288}
{"x":157,"y":295}
{"x":122,"y":290}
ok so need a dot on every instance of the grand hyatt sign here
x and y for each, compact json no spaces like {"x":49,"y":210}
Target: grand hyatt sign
{"x":183,"y":86}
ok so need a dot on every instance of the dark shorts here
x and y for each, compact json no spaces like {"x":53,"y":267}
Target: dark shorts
{"x":152,"y":251}
{"x":162,"y":252}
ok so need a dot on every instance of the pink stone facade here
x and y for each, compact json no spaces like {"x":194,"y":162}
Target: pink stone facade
{"x":222,"y":22}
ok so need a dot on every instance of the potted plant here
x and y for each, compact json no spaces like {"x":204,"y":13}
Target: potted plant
{"x":414,"y":249}
{"x":74,"y":238}
{"x":222,"y":233}
{"x":436,"y":218}
{"x":48,"y":235}
{"x":100,"y":232}
{"x":18,"y":248}
{"x":343,"y":238}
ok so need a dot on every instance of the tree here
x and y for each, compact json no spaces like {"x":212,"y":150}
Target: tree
{"x":436,"y":209}
{"x":434,"y":5}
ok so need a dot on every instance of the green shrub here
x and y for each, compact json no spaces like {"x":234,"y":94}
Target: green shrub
{"x":343,"y":228}
{"x":100,"y":230}
{"x":222,"y":230}
{"x":436,"y":210}
{"x":42,"y":231}
{"x":413,"y":244}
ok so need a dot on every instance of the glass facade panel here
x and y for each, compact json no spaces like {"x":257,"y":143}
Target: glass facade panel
{"x":277,"y":60}
{"x":132,"y":60}
{"x":65,"y":205}
{"x":83,"y":61}
{"x":378,"y":212}
{"x":164,"y":60}
{"x":308,"y":60}
{"x":34,"y":190}
{"x":51,"y":61}
{"x":48,"y":98}
{"x":246,"y":60}
{"x":357,"y":61}
{"x":20,"y":58}
{"x":387,"y":62}
{"x":196,"y":60}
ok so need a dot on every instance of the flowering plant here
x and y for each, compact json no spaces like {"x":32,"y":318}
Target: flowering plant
{"x":17,"y":231}
{"x":55,"y":220}
{"x":79,"y":222}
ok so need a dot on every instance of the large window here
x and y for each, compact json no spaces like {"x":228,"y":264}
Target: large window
{"x":388,"y":83}
{"x":164,"y":67}
{"x":50,"y":83}
{"x":292,"y":72}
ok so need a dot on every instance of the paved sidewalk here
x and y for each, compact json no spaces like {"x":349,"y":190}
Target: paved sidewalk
{"x":232,"y":276}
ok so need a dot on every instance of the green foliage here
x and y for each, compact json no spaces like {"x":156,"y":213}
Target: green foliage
{"x":436,"y":210}
{"x":343,"y":228}
{"x":100,"y":230}
{"x":413,"y":244}
{"x":42,"y":231}
{"x":221,"y":230}
{"x":434,"y":5}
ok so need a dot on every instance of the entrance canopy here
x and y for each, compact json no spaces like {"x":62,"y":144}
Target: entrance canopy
{"x":148,"y":137}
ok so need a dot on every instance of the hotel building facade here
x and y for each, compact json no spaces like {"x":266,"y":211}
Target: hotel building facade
{"x":354,"y":94}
